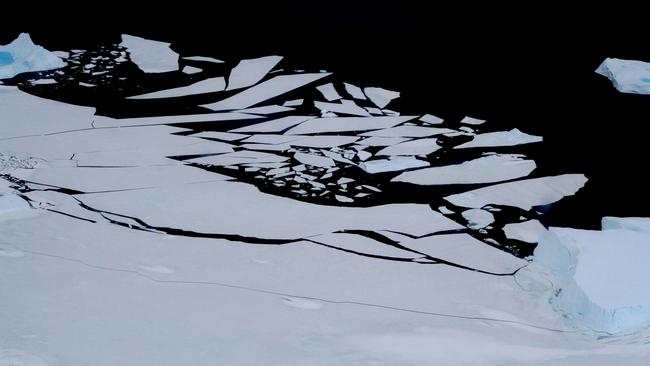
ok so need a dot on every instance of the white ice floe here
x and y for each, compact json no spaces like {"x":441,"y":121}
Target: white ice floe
{"x":397,"y":163}
{"x":501,"y":138}
{"x":343,"y":124}
{"x":627,"y":76}
{"x":523,"y":193}
{"x":250,"y":72}
{"x":415,"y":147}
{"x":343,"y":199}
{"x":600,"y":277}
{"x":382,"y":141}
{"x":472,"y":121}
{"x":322,"y":141}
{"x":486,"y":169}
{"x":408,"y":131}
{"x":210,"y":85}
{"x":264,"y":91}
{"x":354,"y":91}
{"x":380,"y":97}
{"x":314,"y":160}
{"x":22,"y":55}
{"x":43,"y":82}
{"x":477,"y":218}
{"x":238,"y":157}
{"x":270,"y":139}
{"x":203,"y":59}
{"x":267,"y":109}
{"x":527,"y":231}
{"x":344,"y":107}
{"x":626,"y":223}
{"x":150,"y":56}
{"x":102,"y":121}
{"x":293,"y":103}
{"x":329,"y":92}
{"x":190,"y":70}
{"x":445,"y":211}
{"x":224,"y":136}
{"x":276,"y":125}
{"x":431,"y":119}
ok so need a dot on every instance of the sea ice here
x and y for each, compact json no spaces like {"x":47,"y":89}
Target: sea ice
{"x":329,"y":92}
{"x":626,"y":223}
{"x":341,"y":124}
{"x":415,"y":147}
{"x":501,"y":138}
{"x":22,"y":55}
{"x":210,"y":85}
{"x":354,"y":91}
{"x":381,"y":97}
{"x":627,"y":76}
{"x":527,"y":231}
{"x":395,"y":164}
{"x":477,"y":218}
{"x":250,"y":72}
{"x":150,"y":56}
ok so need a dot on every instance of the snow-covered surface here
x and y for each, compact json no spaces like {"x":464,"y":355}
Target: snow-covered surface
{"x":150,"y":56}
{"x":22,"y":55}
{"x":627,"y":76}
{"x":477,"y":218}
{"x":527,"y":231}
{"x":600,"y":276}
{"x":500,"y":138}
{"x":250,"y":72}
{"x":210,"y":85}
{"x":395,"y":164}
{"x":626,"y":223}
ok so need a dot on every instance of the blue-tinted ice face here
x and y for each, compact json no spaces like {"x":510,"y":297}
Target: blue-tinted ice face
{"x":5,"y":58}
{"x":645,"y":80}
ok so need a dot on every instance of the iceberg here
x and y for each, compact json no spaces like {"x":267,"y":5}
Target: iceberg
{"x":627,"y":76}
{"x":22,"y":55}
{"x":395,"y":164}
{"x":600,"y":277}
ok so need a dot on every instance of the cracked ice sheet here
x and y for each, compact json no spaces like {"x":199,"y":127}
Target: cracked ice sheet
{"x":392,"y":165}
{"x":408,"y":131}
{"x":344,"y":107}
{"x":26,"y":115}
{"x":527,"y":231}
{"x":264,"y":91}
{"x":381,"y":97}
{"x":477,"y":218}
{"x":364,"y":245}
{"x":290,"y":332}
{"x":210,"y":85}
{"x":276,"y":125}
{"x":381,"y":141}
{"x":486,"y":169}
{"x":501,"y":138}
{"x":102,"y":121}
{"x":415,"y":147}
{"x":344,"y":124}
{"x":354,"y":91}
{"x":267,"y":109}
{"x":199,"y":207}
{"x":238,"y":157}
{"x":523,"y":193}
{"x":329,"y":92}
{"x":250,"y":72}
{"x":314,"y":160}
{"x":150,"y":56}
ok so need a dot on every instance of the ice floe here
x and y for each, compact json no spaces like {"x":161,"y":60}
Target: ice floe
{"x":354,"y":91}
{"x":477,"y":218}
{"x":250,"y":72}
{"x":415,"y":147}
{"x":379,"y":96}
{"x":22,"y":55}
{"x":431,"y":119}
{"x":344,"y":124}
{"x":397,"y":163}
{"x":210,"y":85}
{"x":150,"y":56}
{"x":408,"y":131}
{"x":527,"y":231}
{"x":329,"y":92}
{"x":203,"y":59}
{"x":344,"y":107}
{"x":627,"y":76}
{"x":472,"y":121}
{"x":626,"y":223}
{"x":501,"y":138}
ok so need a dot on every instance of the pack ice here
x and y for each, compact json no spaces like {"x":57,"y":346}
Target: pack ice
{"x":600,"y":277}
{"x":627,"y":76}
{"x":22,"y":55}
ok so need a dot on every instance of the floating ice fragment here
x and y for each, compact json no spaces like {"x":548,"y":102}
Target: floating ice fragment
{"x":22,"y":55}
{"x":342,"y":124}
{"x":627,"y":76}
{"x":381,"y":97}
{"x":397,"y":163}
{"x":276,"y":125}
{"x":477,"y":218}
{"x":210,"y":85}
{"x":203,"y":59}
{"x":501,"y":138}
{"x":190,"y":70}
{"x":527,"y":231}
{"x":328,"y":92}
{"x":343,"y":199}
{"x":354,"y":91}
{"x":472,"y":121}
{"x":250,"y":72}
{"x":344,"y":107}
{"x":267,"y":109}
{"x":415,"y":147}
{"x":431,"y":119}
{"x":293,"y":103}
{"x":150,"y":56}
{"x":408,"y":131}
{"x":627,"y":223}
{"x":314,"y":160}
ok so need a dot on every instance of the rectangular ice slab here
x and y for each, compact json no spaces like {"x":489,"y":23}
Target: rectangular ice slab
{"x":601,"y":277}
{"x":341,"y":124}
{"x":627,"y":76}
{"x":204,"y":86}
{"x":22,"y":55}
{"x":150,"y":56}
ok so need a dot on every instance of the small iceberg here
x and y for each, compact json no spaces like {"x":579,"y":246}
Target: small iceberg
{"x":22,"y":55}
{"x":627,"y":76}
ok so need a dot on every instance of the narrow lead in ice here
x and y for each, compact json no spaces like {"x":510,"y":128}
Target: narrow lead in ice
{"x":354,"y":91}
{"x":329,"y":92}
{"x":210,"y":85}
{"x":264,"y":91}
{"x":627,"y":76}
{"x":22,"y":55}
{"x":224,"y":136}
{"x":523,"y":193}
{"x":150,"y":56}
{"x":342,"y":124}
{"x":527,"y":231}
{"x":380,"y":97}
{"x":486,"y":169}
{"x":250,"y":72}
{"x":501,"y":138}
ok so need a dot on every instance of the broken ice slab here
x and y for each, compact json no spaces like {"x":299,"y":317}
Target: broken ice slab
{"x":382,"y":141}
{"x":523,"y":193}
{"x":224,"y":136}
{"x":627,"y":76}
{"x":343,"y":199}
{"x":344,"y":107}
{"x":22,"y":55}
{"x":472,"y":121}
{"x":43,"y":82}
{"x":210,"y":85}
{"x":627,"y":223}
{"x":203,"y":59}
{"x":329,"y":92}
{"x":150,"y":56}
{"x":527,"y":231}
{"x":238,"y":157}
{"x":267,"y":109}
{"x":600,"y":277}
{"x":190,"y":70}
{"x":270,"y":139}
{"x":431,"y":119}
{"x":276,"y":125}
{"x":501,"y":138}
{"x":464,"y":250}
{"x":380,"y":97}
{"x":408,"y":131}
{"x":486,"y":169}
{"x":395,"y":164}
{"x":264,"y":91}
{"x":293,"y":103}
{"x":363,"y":245}
{"x":344,"y":124}
{"x":477,"y":218}
{"x":354,"y":91}
{"x":374,"y":111}
{"x":322,"y":141}
{"x":250,"y":72}
{"x":314,"y":160}
{"x":415,"y":147}
{"x":445,"y":211}
{"x":102,"y":121}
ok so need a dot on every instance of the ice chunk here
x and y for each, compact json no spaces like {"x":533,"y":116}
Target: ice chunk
{"x":415,"y":147}
{"x":323,"y":141}
{"x":293,"y":103}
{"x":381,"y":97}
{"x":627,"y":223}
{"x":472,"y":121}
{"x":314,"y":160}
{"x":150,"y":56}
{"x":501,"y":138}
{"x":486,"y":169}
{"x":527,"y":231}
{"x":601,"y":277}
{"x":22,"y":55}
{"x":382,"y":141}
{"x":225,"y":136}
{"x":267,"y":109}
{"x":344,"y":107}
{"x":328,"y":92}
{"x":203,"y":59}
{"x":264,"y":91}
{"x":445,"y":211}
{"x":408,"y":131}
{"x":101,"y":121}
{"x":354,"y":91}
{"x":477,"y":218}
{"x":191,"y":70}
{"x":43,"y":82}
{"x":341,"y":124}
{"x":523,"y":193}
{"x":343,"y":199}
{"x":250,"y":72}
{"x":395,"y":164}
{"x":239,"y":157}
{"x":276,"y":125}
{"x":210,"y":85}
{"x":627,"y":76}
{"x":431,"y":119}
